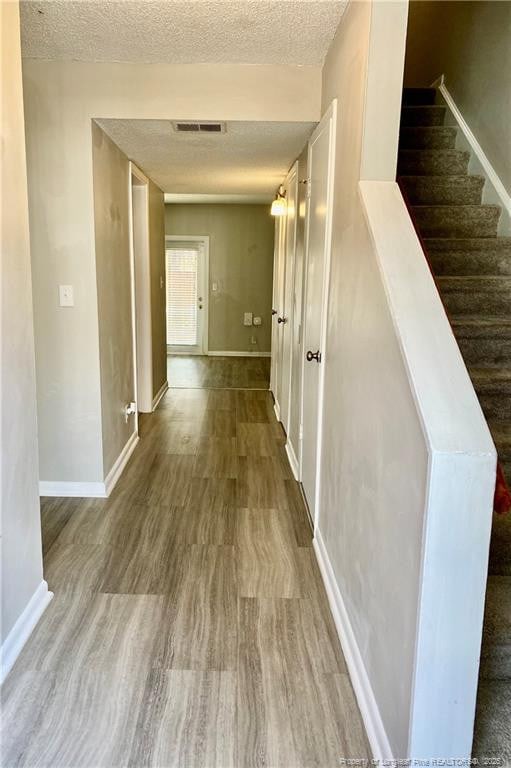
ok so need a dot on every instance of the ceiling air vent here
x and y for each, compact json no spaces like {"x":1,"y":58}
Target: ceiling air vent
{"x":182,"y":127}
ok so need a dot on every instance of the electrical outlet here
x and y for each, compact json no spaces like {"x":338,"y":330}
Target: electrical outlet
{"x":247,"y":318}
{"x":66,"y":296}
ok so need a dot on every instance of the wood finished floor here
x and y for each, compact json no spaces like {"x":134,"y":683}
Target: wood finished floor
{"x":205,"y":372}
{"x":189,"y":626}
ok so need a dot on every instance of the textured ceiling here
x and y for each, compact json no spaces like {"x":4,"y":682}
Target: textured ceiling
{"x":250,"y":158}
{"x":180,"y":31}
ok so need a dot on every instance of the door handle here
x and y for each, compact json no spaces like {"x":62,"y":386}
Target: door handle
{"x":281,"y":320}
{"x":313,"y":356}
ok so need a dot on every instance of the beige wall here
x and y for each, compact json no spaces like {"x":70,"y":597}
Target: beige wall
{"x":21,"y":553}
{"x":240,"y":261}
{"x":113,"y":276}
{"x":158,"y":299}
{"x":374,"y":462}
{"x":468,"y":42}
{"x":61,"y":98}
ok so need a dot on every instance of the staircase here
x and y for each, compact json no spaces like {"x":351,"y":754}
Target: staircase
{"x":472,"y":269}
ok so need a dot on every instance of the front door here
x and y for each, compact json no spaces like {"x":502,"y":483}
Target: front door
{"x":321,"y":165}
{"x":187,"y":295}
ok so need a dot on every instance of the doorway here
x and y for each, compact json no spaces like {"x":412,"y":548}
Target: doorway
{"x":187,"y":268}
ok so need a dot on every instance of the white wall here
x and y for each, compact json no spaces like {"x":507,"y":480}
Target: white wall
{"x":21,"y":558}
{"x":61,"y":98}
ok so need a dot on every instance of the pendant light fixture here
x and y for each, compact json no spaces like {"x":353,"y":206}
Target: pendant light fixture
{"x":279,"y":205}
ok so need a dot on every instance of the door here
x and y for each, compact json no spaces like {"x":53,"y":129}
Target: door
{"x":277,"y":311}
{"x":286,"y":316}
{"x":321,"y":157}
{"x":187,"y":295}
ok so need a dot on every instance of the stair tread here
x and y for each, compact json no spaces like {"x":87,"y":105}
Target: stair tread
{"x":436,"y":153}
{"x":487,"y":375}
{"x":496,"y":282}
{"x":481,"y":321}
{"x":493,"y":715}
{"x":463,"y":208}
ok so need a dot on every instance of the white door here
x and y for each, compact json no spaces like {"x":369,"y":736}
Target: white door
{"x":286,"y":317}
{"x":321,"y":158}
{"x":278,"y":310}
{"x":187,"y":295}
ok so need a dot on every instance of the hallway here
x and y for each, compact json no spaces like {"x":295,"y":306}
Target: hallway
{"x":201,"y":371}
{"x":189,"y":625}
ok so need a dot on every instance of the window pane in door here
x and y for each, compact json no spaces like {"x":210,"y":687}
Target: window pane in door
{"x":182,"y":287}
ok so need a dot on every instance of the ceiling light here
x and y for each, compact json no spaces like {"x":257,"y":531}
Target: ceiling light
{"x":279,"y":205}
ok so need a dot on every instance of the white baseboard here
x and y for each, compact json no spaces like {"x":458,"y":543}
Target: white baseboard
{"x":21,"y":631}
{"x":276,"y":408}
{"x":92,"y":490}
{"x":375,"y":730}
{"x":160,"y":394}
{"x":230,"y":353}
{"x":489,"y":170}
{"x":293,"y":461}
{"x":123,"y":458}
{"x":85,"y":490}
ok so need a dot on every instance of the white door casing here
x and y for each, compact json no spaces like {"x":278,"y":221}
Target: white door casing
{"x":140,"y":290}
{"x":200,"y":308}
{"x":321,"y":164}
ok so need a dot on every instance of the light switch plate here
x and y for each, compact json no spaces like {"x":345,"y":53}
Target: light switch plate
{"x":66,"y":296}
{"x":247,"y":318}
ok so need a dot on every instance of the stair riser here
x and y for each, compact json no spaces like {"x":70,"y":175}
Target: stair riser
{"x":470,"y":221}
{"x":489,"y":303}
{"x":427,"y":138}
{"x":415,"y":96}
{"x":430,"y":190}
{"x":470,"y":264}
{"x":485,"y":351}
{"x":415,"y":116}
{"x":437,"y":163}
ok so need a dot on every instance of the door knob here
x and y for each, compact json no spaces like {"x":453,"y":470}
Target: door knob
{"x":313,"y":356}
{"x":281,"y":320}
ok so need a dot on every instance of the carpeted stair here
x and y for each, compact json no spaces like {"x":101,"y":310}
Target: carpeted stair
{"x":472,"y":268}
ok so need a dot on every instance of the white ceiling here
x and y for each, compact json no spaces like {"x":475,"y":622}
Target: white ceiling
{"x":180,"y":31}
{"x":249,"y":159}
